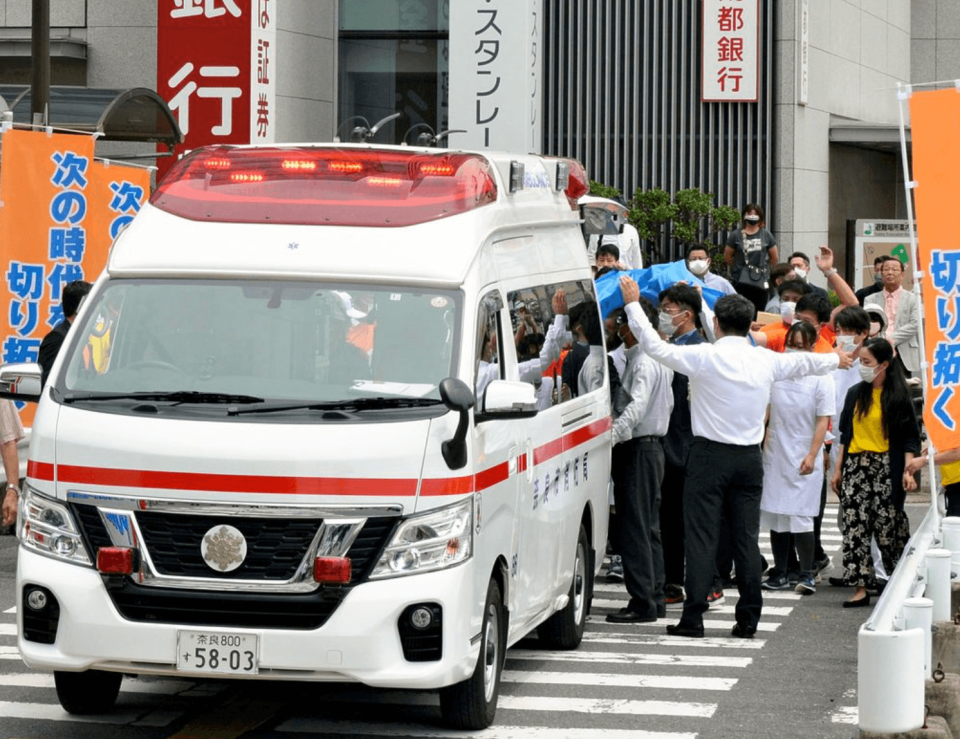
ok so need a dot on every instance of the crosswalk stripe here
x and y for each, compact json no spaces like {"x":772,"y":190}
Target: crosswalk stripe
{"x":324,"y":727}
{"x":708,"y":623}
{"x":9,"y":653}
{"x":671,"y":682}
{"x":665,"y":640}
{"x":845,"y":715}
{"x":622,"y":658}
{"x":129,"y":684}
{"x":724,"y":610}
{"x":8,"y":629}
{"x":53,"y":712}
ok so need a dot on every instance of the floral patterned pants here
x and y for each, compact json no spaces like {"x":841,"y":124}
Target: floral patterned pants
{"x":868,"y":511}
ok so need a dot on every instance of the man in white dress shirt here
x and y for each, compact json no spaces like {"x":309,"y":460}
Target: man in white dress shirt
{"x":730,"y":385}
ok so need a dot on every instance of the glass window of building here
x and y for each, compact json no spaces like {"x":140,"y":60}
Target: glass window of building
{"x":394,"y":58}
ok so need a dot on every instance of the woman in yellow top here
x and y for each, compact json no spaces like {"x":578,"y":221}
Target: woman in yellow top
{"x":949,"y":463}
{"x":879,"y":437}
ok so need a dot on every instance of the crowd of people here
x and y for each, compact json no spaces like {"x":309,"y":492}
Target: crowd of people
{"x":732,"y":421}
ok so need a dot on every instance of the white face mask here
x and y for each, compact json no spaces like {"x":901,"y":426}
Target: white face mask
{"x":845,"y":342}
{"x":874,"y":328}
{"x":792,"y":349}
{"x":752,"y":220}
{"x":699,"y":266}
{"x":666,"y":324}
{"x":800,"y":272}
{"x":786,"y":311}
{"x":867,"y":373}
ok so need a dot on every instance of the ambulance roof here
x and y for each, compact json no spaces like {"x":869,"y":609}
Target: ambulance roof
{"x":343,"y":211}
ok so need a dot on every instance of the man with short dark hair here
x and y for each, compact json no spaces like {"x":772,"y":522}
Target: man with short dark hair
{"x":698,"y":262}
{"x":608,"y":255}
{"x":730,"y":384}
{"x":73,"y":293}
{"x":800,"y":263}
{"x":902,"y":310}
{"x":641,"y":415}
{"x":877,"y":285}
{"x":680,"y":305}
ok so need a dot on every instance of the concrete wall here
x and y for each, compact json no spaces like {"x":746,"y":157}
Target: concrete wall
{"x":306,"y":70}
{"x":859,"y":50}
{"x":935,"y":49}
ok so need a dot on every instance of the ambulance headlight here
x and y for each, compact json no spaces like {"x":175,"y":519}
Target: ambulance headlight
{"x":429,"y":541}
{"x":47,"y":527}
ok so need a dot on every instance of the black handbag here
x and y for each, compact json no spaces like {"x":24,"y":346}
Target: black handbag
{"x":753,"y":275}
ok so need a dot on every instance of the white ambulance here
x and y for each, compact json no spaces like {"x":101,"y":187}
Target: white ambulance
{"x":305,"y":427}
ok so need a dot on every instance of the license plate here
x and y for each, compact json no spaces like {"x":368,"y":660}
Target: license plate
{"x":218,"y":652}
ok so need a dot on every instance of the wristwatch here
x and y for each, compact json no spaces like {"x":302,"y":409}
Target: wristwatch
{"x":11,"y":486}
{"x":829,"y":272}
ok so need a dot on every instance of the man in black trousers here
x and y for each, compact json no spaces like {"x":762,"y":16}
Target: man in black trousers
{"x":730,"y":385}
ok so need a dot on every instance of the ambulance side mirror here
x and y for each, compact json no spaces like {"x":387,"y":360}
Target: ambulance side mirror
{"x":456,"y":395}
{"x":21,"y":381}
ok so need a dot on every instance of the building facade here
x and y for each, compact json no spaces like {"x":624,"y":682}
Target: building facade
{"x":616,"y":84}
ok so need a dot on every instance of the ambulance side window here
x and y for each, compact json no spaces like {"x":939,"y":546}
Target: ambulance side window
{"x":487,"y":365}
{"x":530,"y":317}
{"x":564,"y":350}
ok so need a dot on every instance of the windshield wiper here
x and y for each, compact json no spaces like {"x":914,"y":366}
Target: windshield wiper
{"x":355,"y":404}
{"x":177,"y":396}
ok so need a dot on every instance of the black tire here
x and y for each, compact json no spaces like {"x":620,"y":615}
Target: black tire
{"x":472,"y":704}
{"x":90,"y":692}
{"x":564,"y":629}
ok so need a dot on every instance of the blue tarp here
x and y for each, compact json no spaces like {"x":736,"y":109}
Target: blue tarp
{"x":652,"y":281}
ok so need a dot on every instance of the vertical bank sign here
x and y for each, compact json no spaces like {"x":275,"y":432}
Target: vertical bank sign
{"x":496,"y":74}
{"x":731,"y":51}
{"x":216,"y":64}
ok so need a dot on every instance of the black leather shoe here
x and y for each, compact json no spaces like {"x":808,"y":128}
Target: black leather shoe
{"x":858,"y":603}
{"x":682,"y":629}
{"x":838,"y":582}
{"x":743,"y":632}
{"x":626,"y":616}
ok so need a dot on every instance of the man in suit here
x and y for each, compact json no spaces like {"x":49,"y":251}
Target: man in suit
{"x":73,"y":293}
{"x":903,"y":315}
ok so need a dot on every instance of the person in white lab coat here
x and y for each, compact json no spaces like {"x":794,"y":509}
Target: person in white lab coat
{"x":800,"y":410}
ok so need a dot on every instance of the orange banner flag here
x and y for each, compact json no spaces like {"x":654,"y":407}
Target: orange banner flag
{"x":936,"y":170}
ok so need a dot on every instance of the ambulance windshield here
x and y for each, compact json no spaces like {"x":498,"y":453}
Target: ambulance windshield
{"x":228,"y":342}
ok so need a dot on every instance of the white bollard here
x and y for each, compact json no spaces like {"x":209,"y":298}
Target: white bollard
{"x":950,"y":527}
{"x":890,"y":680}
{"x":918,"y":614}
{"x":938,"y":583}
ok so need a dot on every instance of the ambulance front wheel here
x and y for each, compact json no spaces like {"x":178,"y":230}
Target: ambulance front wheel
{"x":472,"y":704}
{"x":90,"y":692}
{"x":564,"y":629}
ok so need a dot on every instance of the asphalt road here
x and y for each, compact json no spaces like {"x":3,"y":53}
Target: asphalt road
{"x":796,"y":679}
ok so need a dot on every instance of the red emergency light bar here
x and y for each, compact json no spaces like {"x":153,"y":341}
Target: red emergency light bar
{"x":325,"y":186}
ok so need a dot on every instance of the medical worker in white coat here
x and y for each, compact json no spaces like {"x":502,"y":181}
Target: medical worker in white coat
{"x":793,"y":464}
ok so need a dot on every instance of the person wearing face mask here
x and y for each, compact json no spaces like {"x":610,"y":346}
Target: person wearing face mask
{"x":800,"y":263}
{"x":877,"y":285}
{"x":698,"y":262}
{"x":878,"y":320}
{"x":730,"y":385}
{"x":879,"y":437}
{"x":799,"y":414}
{"x":750,"y":252}
{"x":790,"y":292}
{"x":641,"y":417}
{"x":778,"y":275}
{"x":679,"y":307}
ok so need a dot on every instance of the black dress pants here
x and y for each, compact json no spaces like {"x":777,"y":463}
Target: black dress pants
{"x":722,"y":480}
{"x":637,"y":474}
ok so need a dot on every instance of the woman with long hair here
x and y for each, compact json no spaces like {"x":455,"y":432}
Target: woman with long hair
{"x":793,"y":465}
{"x":879,"y":436}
